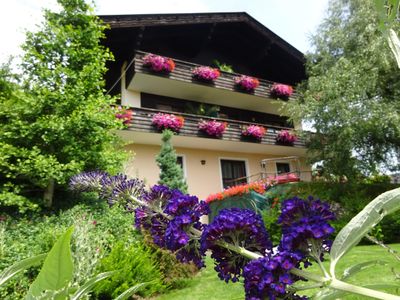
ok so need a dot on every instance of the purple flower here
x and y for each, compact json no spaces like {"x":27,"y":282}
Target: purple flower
{"x":247,"y":83}
{"x":87,"y":181}
{"x":285,"y":137}
{"x":242,"y":227}
{"x":213,"y":127}
{"x":158,"y":63}
{"x":167,"y":121}
{"x":254,"y":131}
{"x":281,"y":90}
{"x":206,"y":73}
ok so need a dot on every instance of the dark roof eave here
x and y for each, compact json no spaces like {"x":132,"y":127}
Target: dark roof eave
{"x":143,"y":20}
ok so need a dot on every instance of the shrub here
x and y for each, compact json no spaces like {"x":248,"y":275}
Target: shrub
{"x":135,"y":264}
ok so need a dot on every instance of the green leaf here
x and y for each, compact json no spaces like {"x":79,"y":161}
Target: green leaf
{"x":129,"y":292}
{"x":329,"y":294}
{"x":362,"y":223}
{"x":350,"y":271}
{"x":88,"y":286}
{"x":57,"y":270}
{"x":20,"y":266}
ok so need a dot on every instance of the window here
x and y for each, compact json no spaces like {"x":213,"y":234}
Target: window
{"x":181,"y":161}
{"x":232,"y":170}
{"x":282,"y":168}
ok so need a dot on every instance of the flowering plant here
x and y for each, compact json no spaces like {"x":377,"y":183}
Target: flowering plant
{"x":124,"y":114}
{"x":239,"y":241}
{"x":206,"y":73}
{"x":213,"y":127}
{"x":254,"y":131}
{"x":158,"y":63}
{"x":247,"y":83}
{"x":258,"y":186}
{"x":281,"y":90}
{"x":286,"y":138}
{"x":168,"y":121}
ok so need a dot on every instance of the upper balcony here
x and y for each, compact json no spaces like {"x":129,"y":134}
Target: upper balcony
{"x":181,"y":84}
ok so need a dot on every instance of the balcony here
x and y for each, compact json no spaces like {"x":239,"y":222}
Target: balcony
{"x":141,"y":131}
{"x":180,"y":84}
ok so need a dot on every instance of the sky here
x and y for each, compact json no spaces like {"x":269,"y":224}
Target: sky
{"x":292,"y":20}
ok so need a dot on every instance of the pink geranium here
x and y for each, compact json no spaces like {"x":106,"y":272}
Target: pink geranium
{"x":158,"y":63}
{"x":247,"y":83}
{"x":281,"y":90}
{"x":254,"y":131}
{"x":168,"y":121}
{"x":206,"y":73}
{"x":285,"y":137}
{"x":213,"y":127}
{"x":124,"y":114}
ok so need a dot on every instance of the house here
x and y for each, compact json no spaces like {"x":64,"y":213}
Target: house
{"x":191,"y":40}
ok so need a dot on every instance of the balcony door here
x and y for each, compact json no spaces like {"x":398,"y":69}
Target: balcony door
{"x":233,"y":172}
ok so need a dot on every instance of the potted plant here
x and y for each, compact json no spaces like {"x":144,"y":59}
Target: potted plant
{"x":124,"y":114}
{"x":158,"y":63}
{"x":204,"y":73}
{"x":281,"y":91}
{"x":213,"y":128}
{"x":247,"y":83}
{"x":168,"y":121}
{"x":286,"y":138}
{"x":254,"y":132}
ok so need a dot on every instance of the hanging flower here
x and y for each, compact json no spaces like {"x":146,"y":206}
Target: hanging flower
{"x":247,"y":83}
{"x":158,"y":63}
{"x":258,"y":187}
{"x":213,"y":127}
{"x":281,"y":91}
{"x":124,"y":114}
{"x":168,"y":121}
{"x":206,"y":73}
{"x":286,"y":138}
{"x":254,"y":131}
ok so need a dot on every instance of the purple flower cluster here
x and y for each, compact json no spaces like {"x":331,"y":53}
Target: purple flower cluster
{"x":254,"y":131}
{"x":305,"y":226}
{"x":247,"y":83}
{"x":167,"y":121}
{"x":286,"y":138}
{"x":213,"y":127}
{"x":281,"y":90}
{"x":173,"y":227}
{"x":87,"y":181}
{"x":269,"y":276}
{"x":206,"y":73}
{"x":158,"y":63}
{"x":240,"y":227}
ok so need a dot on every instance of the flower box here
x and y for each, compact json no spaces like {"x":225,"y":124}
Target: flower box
{"x":286,"y":138}
{"x":254,"y":131}
{"x":281,"y":91}
{"x":247,"y":83}
{"x":206,"y":73}
{"x":168,"y":121}
{"x":158,"y":63}
{"x":124,"y":114}
{"x":213,"y":128}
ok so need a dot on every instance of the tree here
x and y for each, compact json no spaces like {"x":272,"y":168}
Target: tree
{"x":171,"y":173}
{"x":352,"y":93}
{"x":60,"y":122}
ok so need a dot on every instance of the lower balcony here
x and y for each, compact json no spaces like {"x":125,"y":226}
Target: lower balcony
{"x":140,"y":130}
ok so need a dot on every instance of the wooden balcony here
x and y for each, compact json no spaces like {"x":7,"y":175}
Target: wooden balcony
{"x":180,"y":84}
{"x":142,"y":123}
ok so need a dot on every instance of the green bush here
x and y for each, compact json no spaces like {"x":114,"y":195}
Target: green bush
{"x":135,"y":264}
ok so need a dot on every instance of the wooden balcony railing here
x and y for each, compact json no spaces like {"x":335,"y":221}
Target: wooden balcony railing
{"x":183,"y":72}
{"x":142,"y":121}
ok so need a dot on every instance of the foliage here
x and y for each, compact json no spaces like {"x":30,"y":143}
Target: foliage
{"x":223,"y":67}
{"x":60,"y":122}
{"x":202,"y":109}
{"x":171,"y":174}
{"x":135,"y":264}
{"x":351,"y":95}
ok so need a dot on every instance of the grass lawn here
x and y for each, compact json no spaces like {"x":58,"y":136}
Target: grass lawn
{"x":206,"y":285}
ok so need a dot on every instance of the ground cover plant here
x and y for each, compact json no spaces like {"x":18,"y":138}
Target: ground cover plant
{"x":240,"y":244}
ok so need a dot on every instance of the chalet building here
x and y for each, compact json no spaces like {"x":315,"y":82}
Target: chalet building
{"x":187,"y":42}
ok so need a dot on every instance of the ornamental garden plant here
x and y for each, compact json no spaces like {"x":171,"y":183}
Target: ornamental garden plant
{"x":204,"y":73}
{"x":285,"y":137}
{"x":124,"y":114}
{"x":281,"y":91}
{"x":247,"y":83}
{"x":239,"y":241}
{"x":158,"y":63}
{"x":213,"y":128}
{"x":168,"y":121}
{"x":254,"y":131}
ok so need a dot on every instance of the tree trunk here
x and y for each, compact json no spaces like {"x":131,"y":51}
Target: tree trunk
{"x":49,"y":193}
